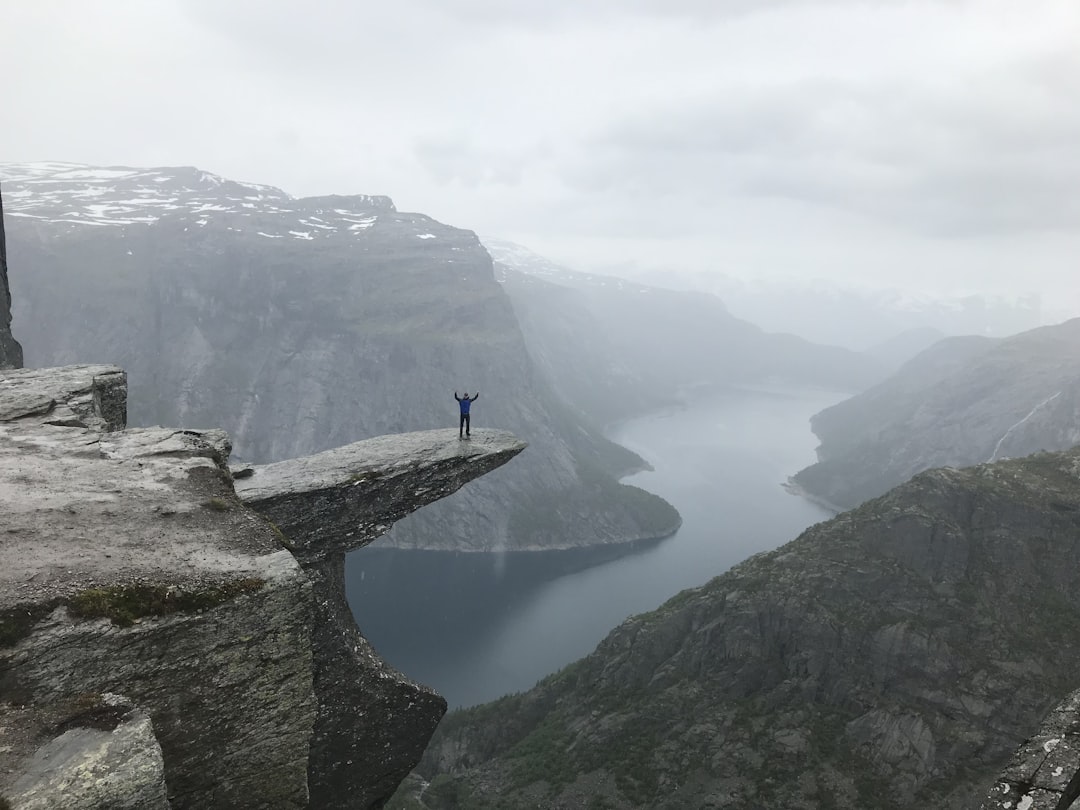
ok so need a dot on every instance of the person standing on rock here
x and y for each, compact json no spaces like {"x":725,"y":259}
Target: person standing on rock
{"x":464,"y":403}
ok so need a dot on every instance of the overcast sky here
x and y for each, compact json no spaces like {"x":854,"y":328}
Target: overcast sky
{"x":931,"y":145}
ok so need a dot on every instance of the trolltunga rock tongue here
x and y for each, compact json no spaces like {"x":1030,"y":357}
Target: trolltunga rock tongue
{"x":345,"y":498}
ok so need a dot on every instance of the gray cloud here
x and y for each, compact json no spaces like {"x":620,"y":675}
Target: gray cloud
{"x":839,"y":137}
{"x":995,"y":152}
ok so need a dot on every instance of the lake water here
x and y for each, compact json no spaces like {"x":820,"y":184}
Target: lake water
{"x":477,"y":626}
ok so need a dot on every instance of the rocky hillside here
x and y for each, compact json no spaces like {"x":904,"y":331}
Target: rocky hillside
{"x":10,"y":351}
{"x":961,"y":402}
{"x":892,"y":657}
{"x":304,"y":324}
{"x":618,"y":348}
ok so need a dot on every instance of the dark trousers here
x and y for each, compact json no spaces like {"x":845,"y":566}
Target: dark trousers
{"x":464,"y":424}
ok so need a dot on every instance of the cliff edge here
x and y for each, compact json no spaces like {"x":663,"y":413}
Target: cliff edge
{"x":164,"y":645}
{"x":10,"y":351}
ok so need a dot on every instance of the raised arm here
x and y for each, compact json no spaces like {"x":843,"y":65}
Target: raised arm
{"x":474,"y":397}
{"x":457,"y":397}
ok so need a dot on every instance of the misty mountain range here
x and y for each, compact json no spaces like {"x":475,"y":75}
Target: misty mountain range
{"x":862,"y":318}
{"x":963,"y":401}
{"x":302,"y":324}
{"x":616,"y":347}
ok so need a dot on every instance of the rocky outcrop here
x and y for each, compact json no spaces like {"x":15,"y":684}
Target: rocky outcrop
{"x":334,"y":502}
{"x":964,"y":401}
{"x":105,"y":755}
{"x":10,"y":350}
{"x":139,"y":593}
{"x":304,"y":324}
{"x":342,"y":499}
{"x":1044,"y":774}
{"x":893,"y":657}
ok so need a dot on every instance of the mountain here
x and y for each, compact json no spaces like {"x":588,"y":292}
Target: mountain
{"x":860,"y":317}
{"x":893,"y":352}
{"x":892,"y":657}
{"x":10,"y":350}
{"x":963,"y":401}
{"x":303,"y":324}
{"x":619,"y":347}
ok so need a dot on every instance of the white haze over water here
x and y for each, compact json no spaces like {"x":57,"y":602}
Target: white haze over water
{"x":926,"y":145}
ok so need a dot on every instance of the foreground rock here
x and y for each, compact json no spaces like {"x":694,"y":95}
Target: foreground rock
{"x":128,"y":566}
{"x":964,"y":401}
{"x":893,"y":657}
{"x":138,"y":594}
{"x":105,"y":755}
{"x":1044,"y":774}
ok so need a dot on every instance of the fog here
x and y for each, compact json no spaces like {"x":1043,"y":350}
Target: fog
{"x":923,"y":146}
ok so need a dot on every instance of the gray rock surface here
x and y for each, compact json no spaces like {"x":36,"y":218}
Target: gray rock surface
{"x":104,"y":757}
{"x":1044,"y":773}
{"x":10,"y":350}
{"x":73,"y":396}
{"x":964,"y":401}
{"x":326,"y":505}
{"x":343,"y":499}
{"x":893,"y":657}
{"x":127,"y":565}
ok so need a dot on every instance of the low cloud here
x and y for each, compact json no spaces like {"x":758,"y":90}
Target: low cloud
{"x":993,"y":152}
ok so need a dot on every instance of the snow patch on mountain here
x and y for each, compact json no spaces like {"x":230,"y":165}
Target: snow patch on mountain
{"x":76,"y":195}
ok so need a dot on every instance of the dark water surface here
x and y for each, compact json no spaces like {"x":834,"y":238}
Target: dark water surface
{"x":476,"y":626}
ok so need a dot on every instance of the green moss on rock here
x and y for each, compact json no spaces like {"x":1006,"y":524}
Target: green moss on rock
{"x":126,"y":604}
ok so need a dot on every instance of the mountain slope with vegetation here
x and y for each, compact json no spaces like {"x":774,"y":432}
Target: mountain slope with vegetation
{"x":892,"y":657}
{"x":963,"y":401}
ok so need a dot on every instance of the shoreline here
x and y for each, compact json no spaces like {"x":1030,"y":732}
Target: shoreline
{"x":793,"y":487}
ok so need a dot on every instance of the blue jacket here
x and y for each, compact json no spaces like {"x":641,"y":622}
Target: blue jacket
{"x":465,"y":402}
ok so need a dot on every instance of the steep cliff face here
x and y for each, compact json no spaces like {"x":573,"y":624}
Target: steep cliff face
{"x":10,"y":350}
{"x":161,"y":642}
{"x":892,"y":657}
{"x":964,"y":401}
{"x":304,"y":324}
{"x":326,"y":505}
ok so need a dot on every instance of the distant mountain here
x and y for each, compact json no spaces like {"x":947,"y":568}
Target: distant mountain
{"x":961,"y":402}
{"x":890,"y":658}
{"x":304,"y":324}
{"x":618,"y":346}
{"x":893,"y":352}
{"x":859,"y":317}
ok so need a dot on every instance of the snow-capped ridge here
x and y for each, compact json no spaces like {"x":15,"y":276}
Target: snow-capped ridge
{"x":78,"y":195}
